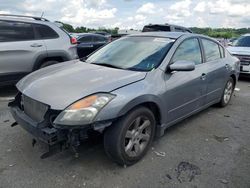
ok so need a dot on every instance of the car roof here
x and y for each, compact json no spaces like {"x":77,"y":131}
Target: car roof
{"x":247,"y":34}
{"x":27,"y":19}
{"x":8,"y":17}
{"x":90,"y":34}
{"x":172,"y":35}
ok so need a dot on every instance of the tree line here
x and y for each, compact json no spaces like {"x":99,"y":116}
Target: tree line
{"x":221,"y":32}
{"x":212,"y":32}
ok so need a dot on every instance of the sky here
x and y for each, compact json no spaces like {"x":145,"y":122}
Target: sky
{"x":127,"y":14}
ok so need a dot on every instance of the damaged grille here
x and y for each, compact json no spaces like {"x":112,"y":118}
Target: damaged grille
{"x":34,"y":109}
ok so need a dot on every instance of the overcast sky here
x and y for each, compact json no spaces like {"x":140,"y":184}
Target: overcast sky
{"x":127,"y":14}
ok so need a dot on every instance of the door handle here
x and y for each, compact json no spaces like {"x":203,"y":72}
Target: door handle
{"x":203,"y":76}
{"x":35,"y":45}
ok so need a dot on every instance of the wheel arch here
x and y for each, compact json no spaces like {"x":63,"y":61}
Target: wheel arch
{"x":58,"y":56}
{"x":150,"y":101}
{"x":234,"y":78}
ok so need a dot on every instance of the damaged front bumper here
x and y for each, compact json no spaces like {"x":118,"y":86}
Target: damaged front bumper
{"x":49,"y":133}
{"x":42,"y":131}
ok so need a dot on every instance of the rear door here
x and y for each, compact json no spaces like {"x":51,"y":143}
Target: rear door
{"x":54,"y":44}
{"x":186,"y":90}
{"x":18,"y":48}
{"x":217,"y":69}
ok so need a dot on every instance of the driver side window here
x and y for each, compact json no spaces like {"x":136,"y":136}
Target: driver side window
{"x":188,"y":50}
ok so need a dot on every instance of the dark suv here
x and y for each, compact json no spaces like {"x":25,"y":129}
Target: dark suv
{"x":29,"y":43}
{"x":165,"y":27}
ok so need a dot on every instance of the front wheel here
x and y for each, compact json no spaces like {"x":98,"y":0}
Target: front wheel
{"x":228,"y":92}
{"x":128,"y":139}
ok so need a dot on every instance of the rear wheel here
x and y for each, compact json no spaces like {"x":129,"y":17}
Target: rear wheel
{"x":228,"y":92}
{"x":48,"y":63}
{"x":128,"y":139}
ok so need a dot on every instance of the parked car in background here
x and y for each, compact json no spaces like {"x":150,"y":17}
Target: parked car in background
{"x":241,"y":49}
{"x":130,"y":90}
{"x":231,"y":41}
{"x":89,"y":42}
{"x":75,"y":35}
{"x":30,"y":43}
{"x":165,"y":27}
{"x":104,"y":33}
{"x":117,"y":36}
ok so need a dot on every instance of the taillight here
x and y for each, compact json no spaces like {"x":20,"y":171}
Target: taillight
{"x":73,"y":40}
{"x":109,"y":39}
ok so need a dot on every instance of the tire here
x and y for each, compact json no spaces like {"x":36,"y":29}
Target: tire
{"x":48,"y":63}
{"x":135,"y":131}
{"x":227,"y":93}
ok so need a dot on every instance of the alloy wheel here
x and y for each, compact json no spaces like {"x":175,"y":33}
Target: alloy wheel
{"x":137,"y":136}
{"x":228,"y":92}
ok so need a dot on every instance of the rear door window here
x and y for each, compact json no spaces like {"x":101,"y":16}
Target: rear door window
{"x":45,"y":32}
{"x":99,"y":39}
{"x":11,"y":31}
{"x":211,"y":49}
{"x":189,"y":50}
{"x":85,"y":39}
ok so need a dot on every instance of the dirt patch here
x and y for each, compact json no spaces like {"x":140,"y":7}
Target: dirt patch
{"x":186,"y":172}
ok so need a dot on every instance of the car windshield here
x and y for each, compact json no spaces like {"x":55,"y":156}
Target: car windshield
{"x":133,"y":53}
{"x":243,"y":41}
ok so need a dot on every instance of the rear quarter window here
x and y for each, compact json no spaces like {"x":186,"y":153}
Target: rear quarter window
{"x":211,"y":49}
{"x":45,"y":32}
{"x":11,"y":31}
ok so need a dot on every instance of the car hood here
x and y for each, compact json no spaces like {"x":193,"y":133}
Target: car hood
{"x":62,"y":84}
{"x":234,"y":50}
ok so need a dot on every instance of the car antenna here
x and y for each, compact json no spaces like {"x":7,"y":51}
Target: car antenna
{"x":42,"y":15}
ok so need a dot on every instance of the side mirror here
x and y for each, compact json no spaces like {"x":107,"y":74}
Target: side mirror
{"x":182,"y":65}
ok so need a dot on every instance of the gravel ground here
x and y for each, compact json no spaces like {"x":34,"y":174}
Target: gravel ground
{"x":210,"y":149}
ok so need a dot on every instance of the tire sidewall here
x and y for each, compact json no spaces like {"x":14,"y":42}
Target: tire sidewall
{"x":126,"y":123}
{"x":223,"y":103}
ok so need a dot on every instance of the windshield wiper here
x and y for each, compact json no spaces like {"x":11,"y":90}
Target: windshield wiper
{"x":107,"y":65}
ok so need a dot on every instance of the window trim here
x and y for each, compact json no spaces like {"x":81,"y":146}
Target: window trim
{"x":193,"y":37}
{"x":222,"y":53}
{"x":24,"y":23}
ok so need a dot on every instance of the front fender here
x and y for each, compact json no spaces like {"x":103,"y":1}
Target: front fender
{"x":141,"y":100}
{"x":129,"y":97}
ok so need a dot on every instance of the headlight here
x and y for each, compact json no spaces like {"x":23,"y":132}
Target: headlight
{"x":83,"y":111}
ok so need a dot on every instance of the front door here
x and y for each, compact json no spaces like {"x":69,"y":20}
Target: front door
{"x":185,"y":90}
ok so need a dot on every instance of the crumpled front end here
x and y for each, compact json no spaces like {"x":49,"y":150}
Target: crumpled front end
{"x":37,"y":119}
